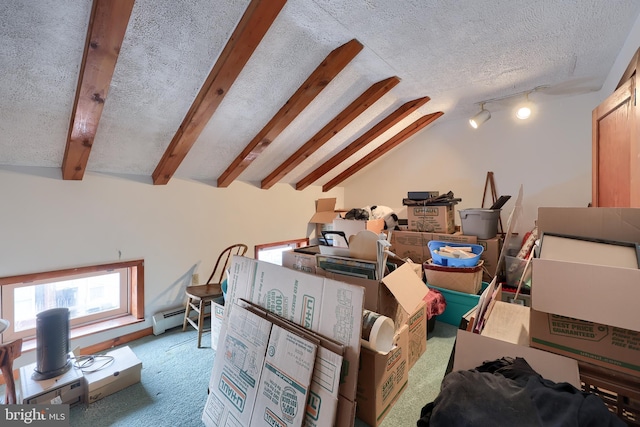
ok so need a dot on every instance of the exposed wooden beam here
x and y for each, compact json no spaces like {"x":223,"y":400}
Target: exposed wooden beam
{"x":315,"y":83}
{"x":107,"y":26}
{"x":387,"y":123}
{"x":357,"y":107}
{"x":246,"y":37}
{"x":384,"y":148}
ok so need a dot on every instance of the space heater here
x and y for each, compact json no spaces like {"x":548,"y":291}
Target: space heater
{"x":52,"y":344}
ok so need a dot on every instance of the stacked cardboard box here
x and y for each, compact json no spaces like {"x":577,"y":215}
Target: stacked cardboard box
{"x":588,"y":310}
{"x":327,"y":307}
{"x":399,"y":296}
{"x":413,"y":245}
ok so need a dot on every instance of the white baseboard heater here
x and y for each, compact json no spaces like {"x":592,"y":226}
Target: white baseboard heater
{"x":171,"y":318}
{"x":167,"y":319}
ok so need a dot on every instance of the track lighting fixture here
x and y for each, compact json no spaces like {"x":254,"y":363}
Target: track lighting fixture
{"x":480,"y":118}
{"x":523,"y":110}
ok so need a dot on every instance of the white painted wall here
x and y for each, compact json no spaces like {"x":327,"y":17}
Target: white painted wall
{"x":549,"y":155}
{"x":178,"y":229}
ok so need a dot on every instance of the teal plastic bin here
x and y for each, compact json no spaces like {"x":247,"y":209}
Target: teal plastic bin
{"x":458,"y":303}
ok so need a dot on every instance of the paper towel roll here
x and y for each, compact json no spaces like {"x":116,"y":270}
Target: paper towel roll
{"x":377,"y":331}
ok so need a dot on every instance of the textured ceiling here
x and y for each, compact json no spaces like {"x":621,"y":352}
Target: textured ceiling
{"x":456,"y":52}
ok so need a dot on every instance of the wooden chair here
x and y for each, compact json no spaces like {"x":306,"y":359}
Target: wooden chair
{"x":200,"y":296}
{"x":8,"y":353}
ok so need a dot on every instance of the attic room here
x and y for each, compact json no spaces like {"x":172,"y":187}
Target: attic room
{"x":150,"y":135}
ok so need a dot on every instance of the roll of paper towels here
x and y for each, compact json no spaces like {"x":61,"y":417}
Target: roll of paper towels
{"x":377,"y":331}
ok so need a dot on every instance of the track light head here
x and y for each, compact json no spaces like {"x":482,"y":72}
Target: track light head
{"x":524,"y":110}
{"x":480,"y":118}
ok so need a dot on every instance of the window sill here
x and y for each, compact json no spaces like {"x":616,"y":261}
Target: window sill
{"x":94,"y":328}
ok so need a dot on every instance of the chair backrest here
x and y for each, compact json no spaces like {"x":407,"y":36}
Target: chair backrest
{"x":220,"y":269}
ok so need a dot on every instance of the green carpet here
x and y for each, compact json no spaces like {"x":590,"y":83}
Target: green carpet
{"x":175,"y":376}
{"x":172,"y":392}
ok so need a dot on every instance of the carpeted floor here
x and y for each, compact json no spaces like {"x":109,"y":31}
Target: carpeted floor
{"x":172,"y":392}
{"x":175,"y":376}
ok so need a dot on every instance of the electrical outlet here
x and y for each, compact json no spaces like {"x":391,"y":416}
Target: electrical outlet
{"x":195,"y":279}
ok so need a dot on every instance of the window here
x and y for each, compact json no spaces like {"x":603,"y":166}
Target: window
{"x":272,"y":252}
{"x":92,"y":294}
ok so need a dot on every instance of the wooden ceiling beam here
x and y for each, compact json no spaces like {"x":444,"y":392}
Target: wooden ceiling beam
{"x":357,"y":107}
{"x":375,"y":132}
{"x":383,"y":149}
{"x":328,"y":69}
{"x":254,"y":24}
{"x":107,"y":26}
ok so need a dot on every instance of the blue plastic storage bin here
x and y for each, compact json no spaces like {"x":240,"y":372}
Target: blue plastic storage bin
{"x":434,"y":245}
{"x":458,"y":303}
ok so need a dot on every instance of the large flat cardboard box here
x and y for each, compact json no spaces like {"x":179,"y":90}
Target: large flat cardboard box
{"x":237,"y":368}
{"x":607,"y":346}
{"x":414,"y":244}
{"x":383,"y":377}
{"x":351,"y":227}
{"x":434,"y":219}
{"x":506,"y":334}
{"x":323,"y":399}
{"x":285,"y":380}
{"x":598,"y":293}
{"x":328,"y":307}
{"x":125,"y":370}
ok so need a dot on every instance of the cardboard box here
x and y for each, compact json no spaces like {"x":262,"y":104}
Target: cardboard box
{"x":613,"y":348}
{"x":328,"y":307}
{"x":285,"y":380}
{"x":596,"y":293}
{"x":506,"y":334}
{"x":399,"y":296}
{"x":490,"y":255}
{"x":325,"y":213}
{"x":125,"y":370}
{"x":237,"y":368}
{"x":383,"y":377}
{"x":435,"y":219}
{"x":68,"y":388}
{"x":417,"y":324}
{"x":304,"y":261}
{"x":461,"y":279}
{"x":351,"y":227}
{"x":217,"y":317}
{"x":322,"y":403}
{"x":413,"y":244}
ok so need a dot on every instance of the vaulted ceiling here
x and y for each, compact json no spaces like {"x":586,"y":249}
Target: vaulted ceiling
{"x":303,"y":92}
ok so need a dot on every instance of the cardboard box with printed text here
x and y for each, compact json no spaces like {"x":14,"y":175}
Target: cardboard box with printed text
{"x":432,"y":218}
{"x":328,"y":307}
{"x":613,"y":348}
{"x":603,"y":294}
{"x":383,"y":377}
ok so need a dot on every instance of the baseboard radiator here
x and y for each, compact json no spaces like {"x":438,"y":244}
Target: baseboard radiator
{"x":171,"y":318}
{"x":167,"y":319}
